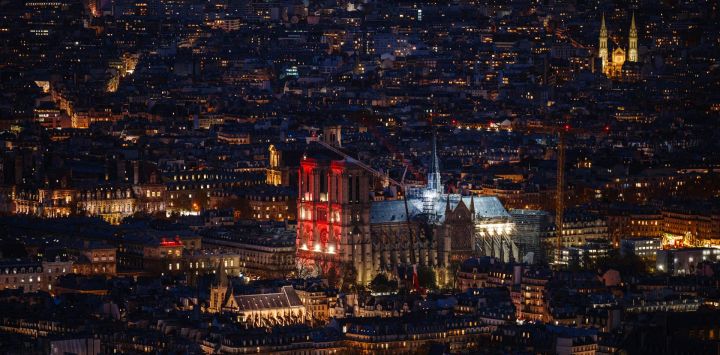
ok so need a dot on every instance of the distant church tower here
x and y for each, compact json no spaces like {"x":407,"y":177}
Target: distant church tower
{"x":434,"y":181}
{"x":632,"y":50}
{"x":613,"y":63}
{"x":603,"y":49}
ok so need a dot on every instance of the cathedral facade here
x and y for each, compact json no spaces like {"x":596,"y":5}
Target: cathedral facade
{"x":619,"y":64}
{"x":341,"y":226}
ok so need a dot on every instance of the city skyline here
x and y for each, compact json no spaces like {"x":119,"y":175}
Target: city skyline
{"x":359,"y":176}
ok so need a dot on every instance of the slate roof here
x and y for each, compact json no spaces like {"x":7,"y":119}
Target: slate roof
{"x":391,"y":211}
{"x":486,"y":207}
{"x":286,"y":298}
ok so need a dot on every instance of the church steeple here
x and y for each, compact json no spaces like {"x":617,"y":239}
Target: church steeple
{"x":472,"y":206}
{"x":633,"y":38}
{"x":434,"y":182}
{"x":603,"y":48}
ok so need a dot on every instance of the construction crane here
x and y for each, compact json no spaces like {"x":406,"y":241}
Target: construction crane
{"x":562,"y":34}
{"x":561,"y":133}
{"x":560,"y":187}
{"x":359,"y":163}
{"x":384,"y":176}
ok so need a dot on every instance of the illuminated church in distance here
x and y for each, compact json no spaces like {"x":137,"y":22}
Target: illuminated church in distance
{"x":623,"y":64}
{"x":340,"y":226}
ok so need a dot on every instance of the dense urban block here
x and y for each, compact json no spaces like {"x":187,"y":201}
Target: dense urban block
{"x":359,"y":177}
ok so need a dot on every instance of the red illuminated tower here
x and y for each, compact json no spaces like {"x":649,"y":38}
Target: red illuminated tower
{"x":333,"y":229}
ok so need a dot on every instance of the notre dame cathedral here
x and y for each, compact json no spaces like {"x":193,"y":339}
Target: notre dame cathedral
{"x":340,"y":225}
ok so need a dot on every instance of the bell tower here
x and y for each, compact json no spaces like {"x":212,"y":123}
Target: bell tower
{"x":633,"y":37}
{"x":333,"y":228}
{"x":603,"y":48}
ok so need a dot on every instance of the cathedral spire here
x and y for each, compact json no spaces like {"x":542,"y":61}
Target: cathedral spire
{"x":472,"y":206}
{"x":434,"y":182}
{"x":633,"y":38}
{"x":603,"y":47}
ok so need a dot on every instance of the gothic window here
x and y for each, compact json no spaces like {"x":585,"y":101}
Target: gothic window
{"x":323,"y":183}
{"x":357,"y":189}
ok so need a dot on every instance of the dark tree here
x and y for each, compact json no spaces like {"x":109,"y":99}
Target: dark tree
{"x":382,"y":284}
{"x":427,"y":277}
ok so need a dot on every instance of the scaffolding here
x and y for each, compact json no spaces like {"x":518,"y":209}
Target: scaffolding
{"x":494,"y":239}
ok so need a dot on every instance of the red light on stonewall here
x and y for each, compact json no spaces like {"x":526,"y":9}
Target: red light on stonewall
{"x":169,"y":242}
{"x":567,"y":127}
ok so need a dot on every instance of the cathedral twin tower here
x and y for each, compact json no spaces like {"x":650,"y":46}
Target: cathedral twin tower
{"x":614,"y":68}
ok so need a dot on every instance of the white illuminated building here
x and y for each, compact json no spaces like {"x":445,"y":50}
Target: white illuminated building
{"x":460,"y":226}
